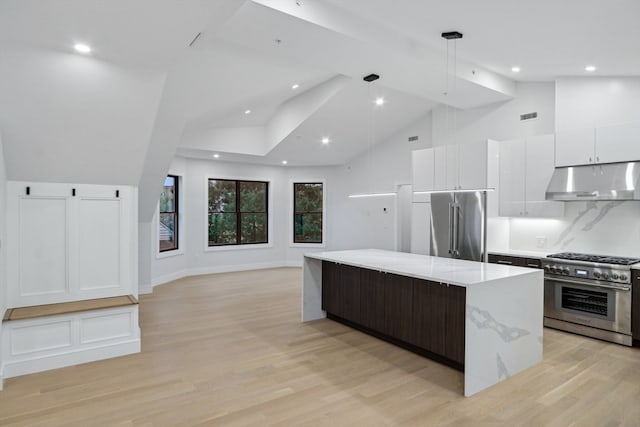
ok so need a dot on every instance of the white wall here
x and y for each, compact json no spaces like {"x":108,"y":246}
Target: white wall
{"x":499,"y":121}
{"x":351,"y":223}
{"x":3,"y":289}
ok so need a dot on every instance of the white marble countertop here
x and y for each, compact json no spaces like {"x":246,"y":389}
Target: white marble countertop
{"x":445,"y":270}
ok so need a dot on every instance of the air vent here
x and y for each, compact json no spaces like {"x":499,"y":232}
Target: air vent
{"x":528,"y":116}
{"x":370,"y":78}
{"x":413,"y":138}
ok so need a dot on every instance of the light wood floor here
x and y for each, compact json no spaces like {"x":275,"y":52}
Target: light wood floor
{"x":230,"y":350}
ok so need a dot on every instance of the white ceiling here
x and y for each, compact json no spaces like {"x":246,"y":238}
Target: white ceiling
{"x":133,"y":101}
{"x":546,"y":38}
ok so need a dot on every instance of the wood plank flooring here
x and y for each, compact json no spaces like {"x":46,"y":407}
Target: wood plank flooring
{"x":229,"y":350}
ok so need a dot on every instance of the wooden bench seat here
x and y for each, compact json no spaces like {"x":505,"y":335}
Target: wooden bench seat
{"x":35,"y":311}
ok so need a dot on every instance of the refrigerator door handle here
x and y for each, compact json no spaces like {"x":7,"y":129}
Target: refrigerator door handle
{"x":456,"y":231}
{"x":451,"y":227}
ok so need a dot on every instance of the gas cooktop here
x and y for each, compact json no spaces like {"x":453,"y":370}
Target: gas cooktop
{"x":600,"y":259}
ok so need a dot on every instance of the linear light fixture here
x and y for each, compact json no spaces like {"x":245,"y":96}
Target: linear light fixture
{"x":470,"y":190}
{"x":357,"y":196}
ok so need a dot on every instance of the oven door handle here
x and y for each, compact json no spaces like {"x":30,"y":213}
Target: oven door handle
{"x":580,"y":282}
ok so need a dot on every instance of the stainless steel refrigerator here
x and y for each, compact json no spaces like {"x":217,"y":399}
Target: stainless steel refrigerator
{"x":458,"y":225}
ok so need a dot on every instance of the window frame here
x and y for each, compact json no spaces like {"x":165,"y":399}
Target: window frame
{"x":268,"y":212}
{"x":292,"y":214}
{"x":179,"y":221}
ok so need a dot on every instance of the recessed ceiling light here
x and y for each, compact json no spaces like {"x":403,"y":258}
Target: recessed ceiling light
{"x":325,"y":140}
{"x":284,"y":162}
{"x":515,"y":69}
{"x":590,"y":68}
{"x":247,"y":111}
{"x":82,"y":48}
{"x":380,"y":101}
{"x":216,"y":156}
{"x":295,"y":86}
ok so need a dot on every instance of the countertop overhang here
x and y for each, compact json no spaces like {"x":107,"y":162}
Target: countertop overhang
{"x":446,"y":270}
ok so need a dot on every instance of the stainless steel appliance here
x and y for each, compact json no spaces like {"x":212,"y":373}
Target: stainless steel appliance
{"x":611,"y":181}
{"x":589,"y":295}
{"x":458,"y":224}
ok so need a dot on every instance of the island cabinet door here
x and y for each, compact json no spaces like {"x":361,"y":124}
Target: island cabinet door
{"x":372,"y":312}
{"x":455,"y":315}
{"x":330,"y":286}
{"x":341,"y":290}
{"x":429,"y":311}
{"x":349,"y":293}
{"x":398,"y":307}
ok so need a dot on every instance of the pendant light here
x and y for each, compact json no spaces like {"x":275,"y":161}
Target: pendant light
{"x":451,"y":37}
{"x":371,"y":147}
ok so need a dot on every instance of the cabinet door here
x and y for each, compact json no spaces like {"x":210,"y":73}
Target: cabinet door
{"x":440,"y":168}
{"x":429,"y":315}
{"x":512,"y":177}
{"x":372,"y":312}
{"x":539,"y":168}
{"x":619,"y":143}
{"x":422,"y":169}
{"x":455,"y":307}
{"x":398,"y":303}
{"x":472,"y":165}
{"x":330,"y":286}
{"x":575,"y":147}
{"x":349,"y":292}
{"x":452,"y":171}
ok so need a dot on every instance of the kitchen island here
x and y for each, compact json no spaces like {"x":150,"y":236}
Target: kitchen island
{"x":484,"y":319}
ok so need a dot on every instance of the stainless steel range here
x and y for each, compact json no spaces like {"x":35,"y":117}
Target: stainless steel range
{"x":589,"y":295}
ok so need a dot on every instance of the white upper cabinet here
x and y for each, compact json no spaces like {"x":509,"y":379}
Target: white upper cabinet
{"x":575,"y":147}
{"x":610,"y":144}
{"x":422,"y":169}
{"x":451,"y":167}
{"x":619,"y":143}
{"x":526,"y":166}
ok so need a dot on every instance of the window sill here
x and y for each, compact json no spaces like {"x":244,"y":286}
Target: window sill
{"x":238,"y":247}
{"x":169,"y":254}
{"x":307,"y":245}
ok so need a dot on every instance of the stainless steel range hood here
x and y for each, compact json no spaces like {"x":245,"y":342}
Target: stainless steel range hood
{"x":611,"y":181}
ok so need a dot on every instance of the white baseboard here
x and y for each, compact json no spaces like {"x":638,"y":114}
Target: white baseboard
{"x":23,"y":367}
{"x":176,"y":275}
{"x":220,"y":269}
{"x":145,"y":288}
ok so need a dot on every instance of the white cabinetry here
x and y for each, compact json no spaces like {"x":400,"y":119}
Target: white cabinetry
{"x":619,"y":143}
{"x":526,"y":166}
{"x":422,"y":169}
{"x":69,"y":242}
{"x":451,"y":167}
{"x":610,"y":144}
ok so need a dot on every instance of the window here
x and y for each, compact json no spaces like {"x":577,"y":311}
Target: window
{"x":307,"y":212}
{"x":237,"y":212}
{"x":168,"y":224}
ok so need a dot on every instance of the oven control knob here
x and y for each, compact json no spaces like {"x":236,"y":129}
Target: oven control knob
{"x":547,"y":267}
{"x":623,"y":277}
{"x":605,"y":276}
{"x":554,"y":268}
{"x":566,"y":270}
{"x":596,"y":274}
{"x":614,"y":276}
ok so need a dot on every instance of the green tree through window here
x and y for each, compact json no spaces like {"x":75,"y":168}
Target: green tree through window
{"x":168,"y":224}
{"x":237,"y":212}
{"x":307,"y":212}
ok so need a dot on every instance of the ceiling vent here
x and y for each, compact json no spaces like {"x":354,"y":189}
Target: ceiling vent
{"x":371,"y":78}
{"x":529,"y":116}
{"x":413,"y":138}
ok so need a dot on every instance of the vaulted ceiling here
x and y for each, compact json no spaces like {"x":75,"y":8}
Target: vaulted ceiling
{"x":147,"y":91}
